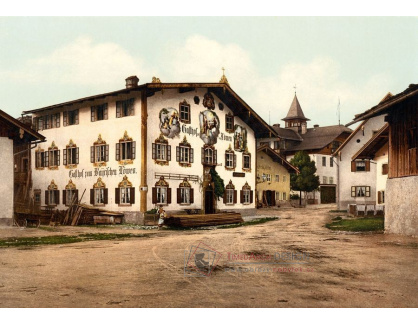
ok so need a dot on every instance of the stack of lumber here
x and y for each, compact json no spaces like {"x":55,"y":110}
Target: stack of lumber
{"x":82,"y":214}
{"x":196,"y":220}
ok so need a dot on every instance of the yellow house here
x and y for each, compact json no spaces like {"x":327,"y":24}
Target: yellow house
{"x":273,"y":177}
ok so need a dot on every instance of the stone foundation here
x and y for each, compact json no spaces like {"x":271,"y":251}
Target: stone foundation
{"x":133,"y":218}
{"x":401,"y":205}
{"x":6,"y":222}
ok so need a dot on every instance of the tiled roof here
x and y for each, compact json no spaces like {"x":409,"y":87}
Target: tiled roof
{"x":319,"y":137}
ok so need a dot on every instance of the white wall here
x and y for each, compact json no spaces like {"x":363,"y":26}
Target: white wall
{"x":347,"y":179}
{"x":84,"y":135}
{"x":6,"y":183}
{"x":172,"y":98}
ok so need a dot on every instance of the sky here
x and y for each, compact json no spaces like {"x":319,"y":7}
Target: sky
{"x":352,"y":60}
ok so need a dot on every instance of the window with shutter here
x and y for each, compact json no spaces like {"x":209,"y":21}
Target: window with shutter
{"x":125,"y":193}
{"x":161,"y":151}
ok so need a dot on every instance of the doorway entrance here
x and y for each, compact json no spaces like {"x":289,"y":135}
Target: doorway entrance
{"x":209,"y":206}
{"x":270,"y":197}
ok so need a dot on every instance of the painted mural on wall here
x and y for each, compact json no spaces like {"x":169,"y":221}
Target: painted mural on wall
{"x":209,"y":127}
{"x":169,"y":122}
{"x":240,"y":138}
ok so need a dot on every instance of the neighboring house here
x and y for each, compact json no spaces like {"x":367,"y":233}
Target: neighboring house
{"x":318,"y":142}
{"x":401,"y":199}
{"x":273,"y":177}
{"x":16,"y":139}
{"x":148,"y":145}
{"x":376,"y":151}
{"x":356,"y":176}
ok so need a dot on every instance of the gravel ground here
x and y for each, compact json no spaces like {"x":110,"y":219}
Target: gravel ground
{"x":343,"y":269}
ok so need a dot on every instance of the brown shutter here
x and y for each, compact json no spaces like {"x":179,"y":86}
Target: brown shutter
{"x":77,"y":155}
{"x":93,"y":114}
{"x":58,"y":157}
{"x":117,"y":196}
{"x":106,"y":196}
{"x":224,"y":196}
{"x":46,"y":159}
{"x":117,"y":151}
{"x":132,"y":195}
{"x":105,"y":112}
{"x":57,"y":197}
{"x":133,"y":150}
{"x":76,"y":196}
{"x":92,"y":154}
{"x":215,"y":157}
{"x":36,"y":159}
{"x":203,"y":155}
{"x":178,"y":153}
{"x":178,"y":195}
{"x":235,"y":160}
{"x":251,"y":196}
{"x":154,"y":195}
{"x":273,"y":198}
{"x":64,"y":197}
{"x":379,"y":197}
{"x":46,"y":197}
{"x":385,"y":168}
{"x":76,"y":117}
{"x":191,"y":155}
{"x":168,"y":195}
{"x":153,"y":151}
{"x":64,"y":157}
{"x":107,"y":153}
{"x":353,"y":166}
{"x":191,"y":195}
{"x":235,"y":196}
{"x":91,"y":196}
{"x":58,"y":120}
{"x":241,"y":196}
{"x":368,"y":165}
{"x":118,"y":108}
{"x":168,"y":152}
{"x":65,"y":117}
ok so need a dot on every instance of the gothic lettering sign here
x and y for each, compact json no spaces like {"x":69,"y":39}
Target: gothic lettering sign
{"x":101,"y":172}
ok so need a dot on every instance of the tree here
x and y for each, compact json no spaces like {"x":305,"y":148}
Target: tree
{"x":218,"y":183}
{"x":306,"y":180}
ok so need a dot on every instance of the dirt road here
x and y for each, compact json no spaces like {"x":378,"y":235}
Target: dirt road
{"x":343,"y":270}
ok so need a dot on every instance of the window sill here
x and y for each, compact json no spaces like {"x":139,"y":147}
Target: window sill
{"x":185,"y":121}
{"x":125,"y":205}
{"x":246,"y":170}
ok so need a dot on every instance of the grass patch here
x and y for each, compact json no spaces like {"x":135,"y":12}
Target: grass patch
{"x":60,"y":239}
{"x":338,"y":211}
{"x":337,"y":218}
{"x":205,"y":228}
{"x":358,"y":224}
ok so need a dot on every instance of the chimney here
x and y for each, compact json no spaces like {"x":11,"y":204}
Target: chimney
{"x":276,"y":125}
{"x":316,"y":125}
{"x":303,"y":130}
{"x":131,"y":82}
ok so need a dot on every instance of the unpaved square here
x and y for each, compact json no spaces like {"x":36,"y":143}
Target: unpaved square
{"x":345,"y":269}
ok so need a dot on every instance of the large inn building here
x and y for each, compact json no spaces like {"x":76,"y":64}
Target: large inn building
{"x":147,"y":145}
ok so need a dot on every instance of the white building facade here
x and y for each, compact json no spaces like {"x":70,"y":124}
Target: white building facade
{"x":357,"y":177}
{"x":149,"y":145}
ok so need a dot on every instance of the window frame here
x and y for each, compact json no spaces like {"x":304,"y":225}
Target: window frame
{"x":229,"y":121}
{"x":324,"y":161}
{"x":244,"y":156}
{"x":184,"y":109}
{"x":71,"y":117}
{"x":355,"y":191}
{"x":95,"y":112}
{"x":125,"y":108}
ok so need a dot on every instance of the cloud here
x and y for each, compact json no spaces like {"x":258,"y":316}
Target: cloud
{"x":104,"y":66}
{"x":81,"y":62}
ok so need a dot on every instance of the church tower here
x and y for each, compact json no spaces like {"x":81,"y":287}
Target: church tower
{"x":295,"y":118}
